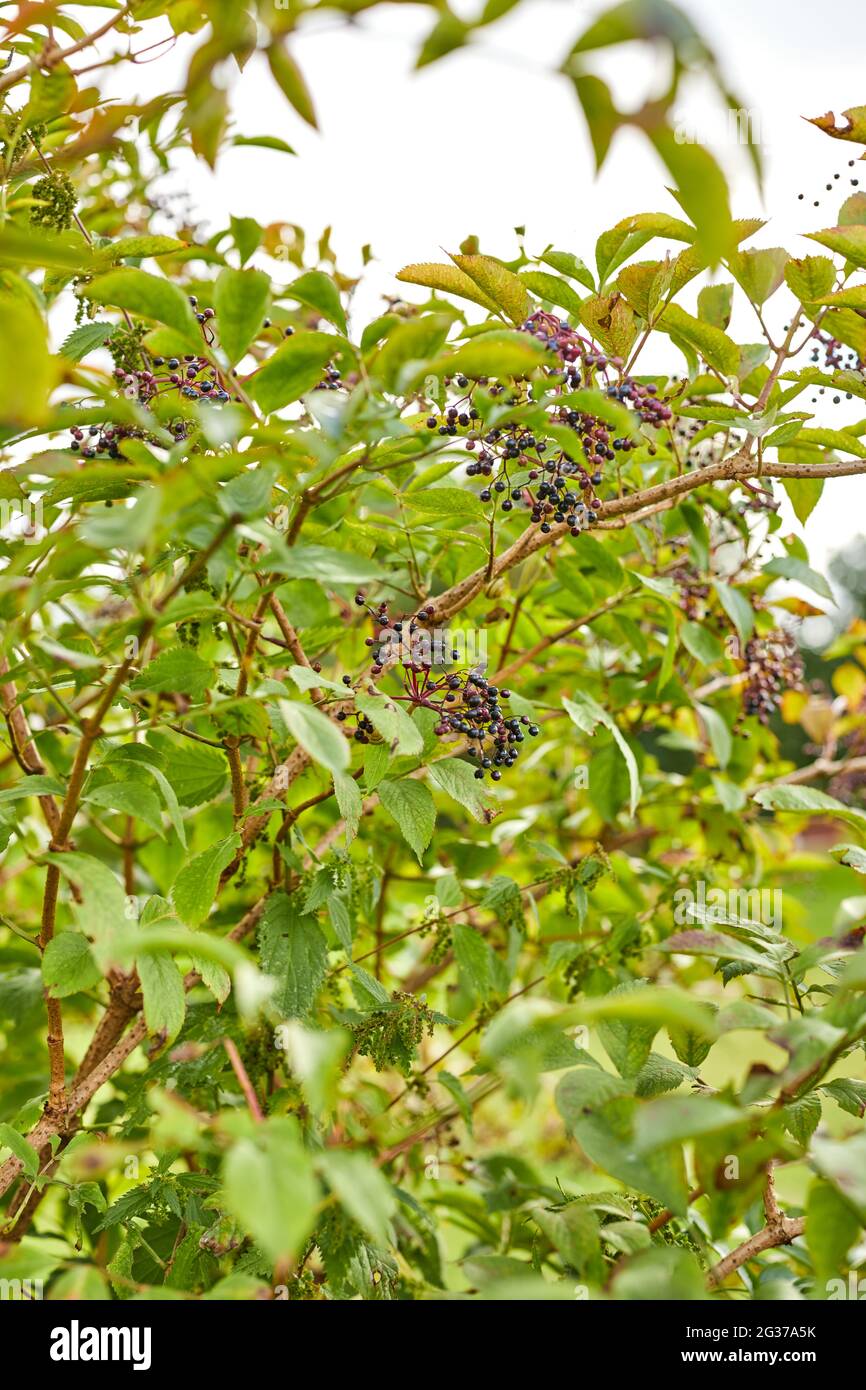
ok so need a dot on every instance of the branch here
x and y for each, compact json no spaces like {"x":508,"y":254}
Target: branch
{"x":51,"y":56}
{"x":644,"y":503}
{"x":779,"y":1230}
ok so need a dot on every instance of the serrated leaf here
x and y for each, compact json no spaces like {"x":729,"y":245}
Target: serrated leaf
{"x":448,"y":279}
{"x":85,"y":339}
{"x":195,"y":887}
{"x":498,"y":354}
{"x":177,"y":671}
{"x":810,"y":277}
{"x":68,"y":965}
{"x":411,"y":807}
{"x":162,"y":992}
{"x":849,"y":242}
{"x":295,"y":953}
{"x":717,"y":349}
{"x":498,"y":283}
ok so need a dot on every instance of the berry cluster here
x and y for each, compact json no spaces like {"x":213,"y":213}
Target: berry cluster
{"x":835,"y":354}
{"x":556,"y":486}
{"x":331,"y":381}
{"x":694,"y":592}
{"x":466,"y":704}
{"x":193,"y":377}
{"x":773,"y":665}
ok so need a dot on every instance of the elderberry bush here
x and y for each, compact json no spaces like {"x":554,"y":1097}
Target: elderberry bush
{"x":432,"y":790}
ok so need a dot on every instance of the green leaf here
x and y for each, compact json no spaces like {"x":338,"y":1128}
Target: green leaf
{"x":717,"y":349}
{"x":326,"y":565}
{"x":240,"y":300}
{"x":270,"y":1187}
{"x":362,"y":1190}
{"x":600,"y":1112}
{"x":702,"y":644}
{"x":195,"y":887}
{"x":843,"y":1163}
{"x":264,"y":142}
{"x":319,"y":291}
{"x":611,"y":322}
{"x":35,"y":785}
{"x":738,"y":609}
{"x":27,"y":1156}
{"x":567,"y":264}
{"x":293,"y":370}
{"x":411,"y":806}
{"x":721,"y":739}
{"x":294,"y":951}
{"x":139,"y":247}
{"x":290,"y":80}
{"x":444,"y":502}
{"x":802,"y":1117}
{"x":675,"y":1119}
{"x":626,"y":1041}
{"x":832,"y":1228}
{"x":176,"y":671}
{"x":150,"y":296}
{"x":458,"y":779}
{"x":789,"y":567}
{"x":761,"y":272}
{"x":714,"y":305}
{"x":851,"y":855}
{"x":316,"y":734}
{"x":196,"y":772}
{"x":586,"y":713}
{"x":552,"y":289}
{"x":575,"y":1232}
{"x":810,"y":801}
{"x":500,"y":353}
{"x":104,"y":901}
{"x":804,"y":494}
{"x":68,"y":965}
{"x":163,"y":993}
{"x":702,"y":192}
{"x":393,"y":723}
{"x":27,"y":372}
{"x":473,"y":956}
{"x":409,"y":347}
{"x":349,"y":802}
{"x":85,"y":339}
{"x":810,"y":278}
{"x":128,"y":798}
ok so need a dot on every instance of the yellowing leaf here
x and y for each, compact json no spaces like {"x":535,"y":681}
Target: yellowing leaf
{"x":447,"y":278}
{"x":497,"y":283}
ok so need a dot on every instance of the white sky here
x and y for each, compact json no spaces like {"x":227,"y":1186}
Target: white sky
{"x":490,"y":138}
